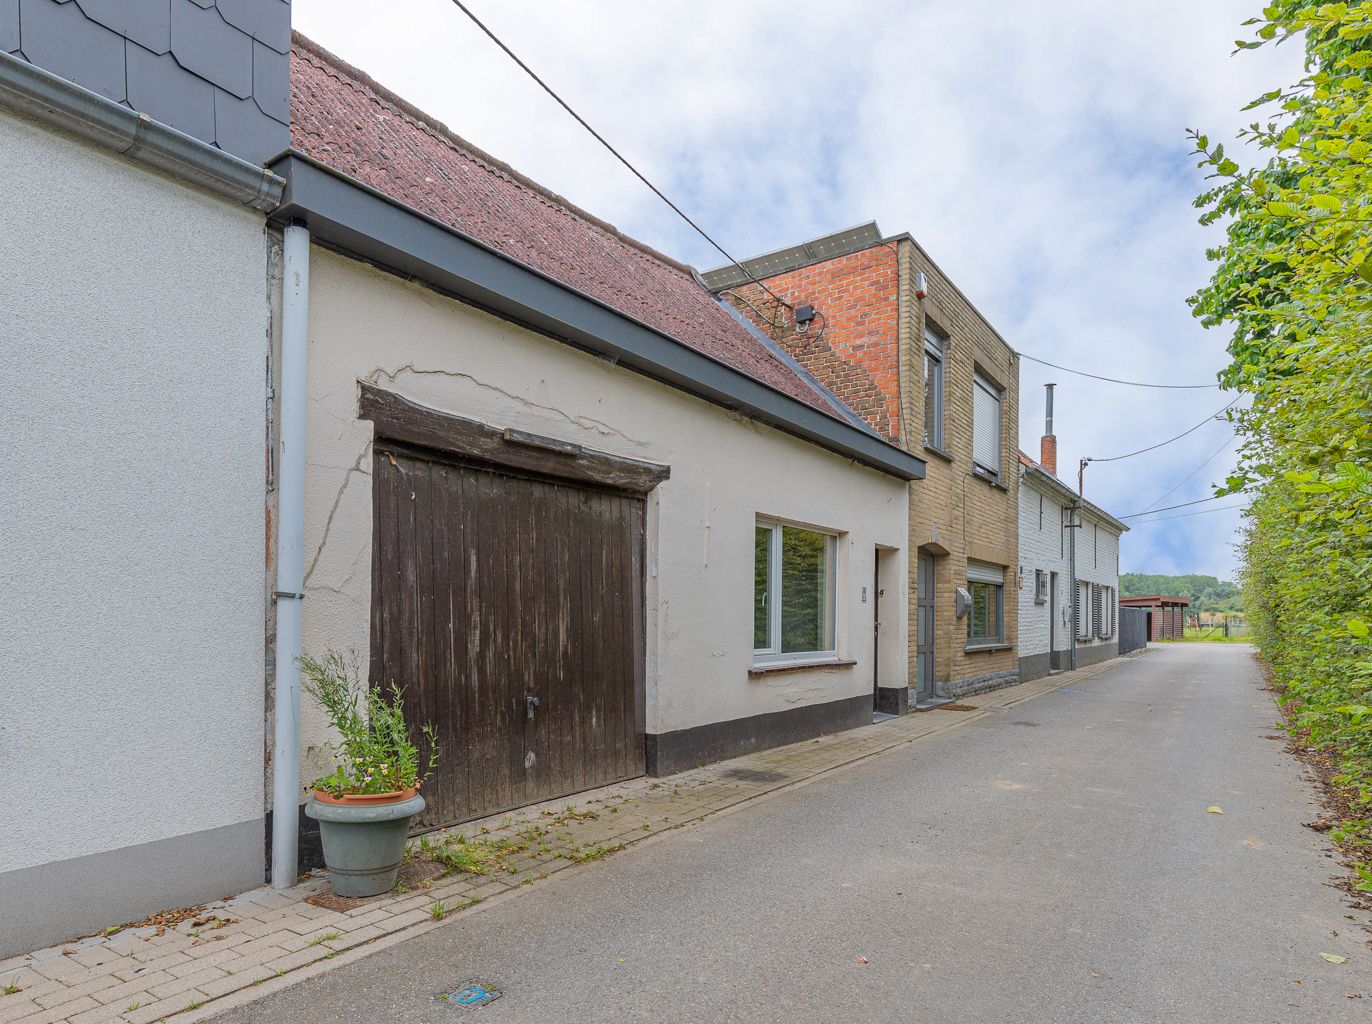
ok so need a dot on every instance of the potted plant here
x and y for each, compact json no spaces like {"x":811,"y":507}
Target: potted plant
{"x":365,"y":804}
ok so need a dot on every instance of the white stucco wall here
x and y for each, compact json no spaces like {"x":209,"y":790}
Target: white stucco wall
{"x":725,"y":471}
{"x":134,"y":315}
{"x":1044,"y":544}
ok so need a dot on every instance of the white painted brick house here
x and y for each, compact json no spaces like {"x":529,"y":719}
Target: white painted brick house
{"x":1061,"y":597}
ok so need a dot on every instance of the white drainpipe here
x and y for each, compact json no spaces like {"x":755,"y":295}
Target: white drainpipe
{"x":290,"y":556}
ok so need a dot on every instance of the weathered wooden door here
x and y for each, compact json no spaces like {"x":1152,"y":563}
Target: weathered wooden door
{"x":510,"y":609}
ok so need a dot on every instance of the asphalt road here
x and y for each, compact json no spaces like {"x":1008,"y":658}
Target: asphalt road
{"x":1054,"y":863}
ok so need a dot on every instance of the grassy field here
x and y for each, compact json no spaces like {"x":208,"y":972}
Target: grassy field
{"x":1192,"y":635}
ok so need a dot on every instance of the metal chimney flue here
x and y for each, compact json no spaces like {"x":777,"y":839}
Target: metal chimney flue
{"x":1048,"y":446}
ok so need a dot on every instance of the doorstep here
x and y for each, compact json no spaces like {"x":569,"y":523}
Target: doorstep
{"x":236,"y":950}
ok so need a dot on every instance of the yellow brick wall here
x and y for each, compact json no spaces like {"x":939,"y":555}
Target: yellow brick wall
{"x":953,"y":513}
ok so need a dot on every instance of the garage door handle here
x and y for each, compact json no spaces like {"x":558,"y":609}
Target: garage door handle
{"x":530,"y":703}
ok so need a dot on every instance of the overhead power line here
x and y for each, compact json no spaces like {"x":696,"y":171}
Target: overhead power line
{"x":705,"y":234}
{"x":1230,"y":440}
{"x":614,"y":152}
{"x":1116,"y":380}
{"x":1186,"y":515}
{"x":1160,"y":444}
{"x":1169,"y":508}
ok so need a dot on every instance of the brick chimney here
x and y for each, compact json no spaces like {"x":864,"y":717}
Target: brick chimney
{"x":1048,"y":445}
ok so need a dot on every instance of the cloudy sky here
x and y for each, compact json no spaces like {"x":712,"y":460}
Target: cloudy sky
{"x":1036,"y":150}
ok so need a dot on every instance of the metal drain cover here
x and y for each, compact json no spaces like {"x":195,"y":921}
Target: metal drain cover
{"x":470,"y":994}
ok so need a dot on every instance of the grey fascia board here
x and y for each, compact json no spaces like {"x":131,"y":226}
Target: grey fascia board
{"x":732,"y":275}
{"x":33,"y":92}
{"x":352,"y":218}
{"x":1052,"y":483}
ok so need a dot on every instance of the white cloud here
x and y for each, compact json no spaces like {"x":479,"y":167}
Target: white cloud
{"x":1036,"y":150}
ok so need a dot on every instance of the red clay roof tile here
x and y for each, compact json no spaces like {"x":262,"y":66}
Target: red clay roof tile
{"x":342,"y":118}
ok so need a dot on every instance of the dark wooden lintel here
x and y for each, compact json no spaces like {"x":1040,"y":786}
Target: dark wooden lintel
{"x":399,"y":419}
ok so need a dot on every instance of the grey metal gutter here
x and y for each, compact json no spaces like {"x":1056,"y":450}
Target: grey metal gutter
{"x":33,"y":92}
{"x":1053,"y":483}
{"x":359,"y":221}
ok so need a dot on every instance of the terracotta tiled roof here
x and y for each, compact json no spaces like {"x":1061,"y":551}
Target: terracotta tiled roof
{"x":342,"y":118}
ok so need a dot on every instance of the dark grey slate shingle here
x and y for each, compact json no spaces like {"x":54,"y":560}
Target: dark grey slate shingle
{"x":243,"y":130}
{"x":271,"y":81}
{"x":205,"y":43}
{"x":167,"y":92}
{"x":267,"y":21}
{"x":59,"y":38}
{"x":146,"y":22}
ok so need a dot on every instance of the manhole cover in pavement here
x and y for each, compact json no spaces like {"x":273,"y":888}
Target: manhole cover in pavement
{"x":473,"y":993}
{"x":1032,"y":725}
{"x":957,"y":707}
{"x":753,"y":775}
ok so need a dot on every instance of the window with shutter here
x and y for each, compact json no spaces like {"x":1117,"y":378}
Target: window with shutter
{"x":986,"y":425}
{"x":1081,"y":608}
{"x":986,"y":621}
{"x":1097,"y":606}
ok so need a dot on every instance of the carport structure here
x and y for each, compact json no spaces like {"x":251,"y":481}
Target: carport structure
{"x":1166,"y":614}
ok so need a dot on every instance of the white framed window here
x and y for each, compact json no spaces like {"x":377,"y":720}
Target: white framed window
{"x":794,"y":593}
{"x":935,"y":345}
{"x":986,"y":452}
{"x":1040,"y":586}
{"x":986,"y":617}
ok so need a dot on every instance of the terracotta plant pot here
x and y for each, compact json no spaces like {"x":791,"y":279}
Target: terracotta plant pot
{"x":365,"y":799}
{"x":364,"y":838}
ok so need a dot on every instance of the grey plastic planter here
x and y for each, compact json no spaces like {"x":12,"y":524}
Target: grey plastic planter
{"x":363,"y":844}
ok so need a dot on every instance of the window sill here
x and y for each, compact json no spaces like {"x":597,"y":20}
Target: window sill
{"x":984,"y":648}
{"x":765,"y":669}
{"x":989,"y":480}
{"x":933,"y":450}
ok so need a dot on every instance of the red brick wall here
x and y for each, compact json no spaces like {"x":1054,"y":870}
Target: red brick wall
{"x":853,"y":345}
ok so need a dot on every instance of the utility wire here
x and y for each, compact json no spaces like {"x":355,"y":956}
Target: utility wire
{"x":1188,"y":476}
{"x":614,"y":152}
{"x":1185,"y":515}
{"x":1154,"y":447}
{"x":1113,"y":380}
{"x":703,"y":233}
{"x":1169,"y":508}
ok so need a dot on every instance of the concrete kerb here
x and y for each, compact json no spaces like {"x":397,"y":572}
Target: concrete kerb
{"x":872,"y":741}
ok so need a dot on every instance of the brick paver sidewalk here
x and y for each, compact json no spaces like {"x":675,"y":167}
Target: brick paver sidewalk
{"x":239,"y":949}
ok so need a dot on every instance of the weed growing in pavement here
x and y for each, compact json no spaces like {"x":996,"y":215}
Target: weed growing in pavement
{"x":11,"y":989}
{"x":583,"y":854}
{"x":438,"y":910}
{"x":328,"y":936}
{"x":458,"y":854}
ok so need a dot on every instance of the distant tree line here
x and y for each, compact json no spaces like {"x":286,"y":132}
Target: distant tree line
{"x":1206,"y":593}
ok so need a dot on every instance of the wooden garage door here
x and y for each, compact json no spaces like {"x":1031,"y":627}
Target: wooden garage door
{"x":510,"y":609}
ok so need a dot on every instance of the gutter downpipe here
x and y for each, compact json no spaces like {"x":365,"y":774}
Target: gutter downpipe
{"x":1073,"y":525}
{"x":290,"y":556}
